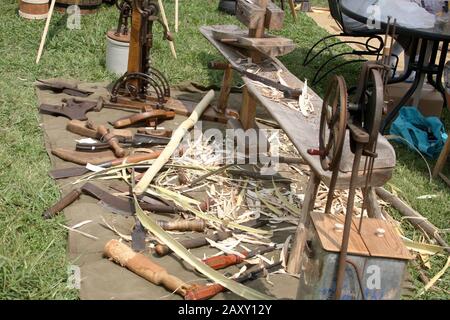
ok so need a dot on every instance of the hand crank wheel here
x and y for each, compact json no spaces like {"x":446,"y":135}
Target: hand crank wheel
{"x":333,"y":123}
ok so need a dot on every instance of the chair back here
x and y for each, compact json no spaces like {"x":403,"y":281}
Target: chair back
{"x":336,"y":13}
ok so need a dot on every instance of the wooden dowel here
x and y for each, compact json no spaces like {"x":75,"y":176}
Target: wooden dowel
{"x":44,"y":34}
{"x":176,"y":15}
{"x":163,"y":16}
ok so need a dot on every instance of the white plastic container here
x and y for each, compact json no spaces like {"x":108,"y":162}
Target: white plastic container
{"x":116,"y":54}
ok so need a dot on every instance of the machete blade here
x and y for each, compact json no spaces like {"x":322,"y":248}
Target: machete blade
{"x":138,"y":236}
{"x":68,"y":172}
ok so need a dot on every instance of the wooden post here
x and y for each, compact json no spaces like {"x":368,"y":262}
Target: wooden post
{"x":292,"y":6}
{"x":225,"y":90}
{"x":248,"y":110}
{"x":134,"y":54}
{"x":296,"y":254}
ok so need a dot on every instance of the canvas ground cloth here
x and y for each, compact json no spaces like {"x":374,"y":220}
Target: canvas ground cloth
{"x":101,"y":278}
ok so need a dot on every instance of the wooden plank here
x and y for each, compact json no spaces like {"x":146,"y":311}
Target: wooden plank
{"x":270,"y":46}
{"x":251,"y":15}
{"x":331,"y":238}
{"x":388,"y":246}
{"x":274,"y":17}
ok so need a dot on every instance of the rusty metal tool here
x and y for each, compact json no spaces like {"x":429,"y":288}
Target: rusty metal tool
{"x":78,"y":171}
{"x":70,"y":108}
{"x":138,"y":141}
{"x":62,"y":87}
{"x":288,"y":92}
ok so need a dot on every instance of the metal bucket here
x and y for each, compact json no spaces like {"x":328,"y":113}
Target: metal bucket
{"x":33,"y":9}
{"x":117,"y":53}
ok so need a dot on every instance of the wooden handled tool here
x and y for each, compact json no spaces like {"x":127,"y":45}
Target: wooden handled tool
{"x":112,"y":141}
{"x":144,"y":116}
{"x":201,"y":241}
{"x":224,"y":261}
{"x":196,"y":242}
{"x":209,"y":291}
{"x":144,"y":267}
{"x":62,"y":204}
{"x":88,"y":129}
{"x":183,"y":225}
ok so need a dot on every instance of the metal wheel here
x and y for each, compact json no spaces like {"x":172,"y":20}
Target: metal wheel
{"x":370,"y":106}
{"x":333,"y":123}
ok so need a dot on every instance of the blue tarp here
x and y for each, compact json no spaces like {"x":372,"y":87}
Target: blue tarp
{"x":425,"y":133}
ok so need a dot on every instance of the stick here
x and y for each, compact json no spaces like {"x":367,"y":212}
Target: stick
{"x":176,"y":15}
{"x":44,"y":34}
{"x":177,"y":136}
{"x":415,"y":218}
{"x":163,"y":15}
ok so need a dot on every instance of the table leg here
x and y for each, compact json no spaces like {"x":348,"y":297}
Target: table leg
{"x":417,"y":93}
{"x":418,"y":80}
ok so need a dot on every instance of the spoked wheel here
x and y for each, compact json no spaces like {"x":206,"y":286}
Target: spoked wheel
{"x":372,"y":110}
{"x":333,"y":123}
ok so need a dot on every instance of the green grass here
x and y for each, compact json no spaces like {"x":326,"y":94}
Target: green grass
{"x":33,"y":259}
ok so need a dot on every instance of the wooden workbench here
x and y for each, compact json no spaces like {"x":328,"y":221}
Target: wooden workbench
{"x":304,"y":131}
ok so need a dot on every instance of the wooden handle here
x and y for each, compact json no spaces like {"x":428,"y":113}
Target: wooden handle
{"x":62,"y":204}
{"x":144,"y":267}
{"x":200,"y":241}
{"x":111,"y":140}
{"x":136,"y":158}
{"x":203,"y":292}
{"x":79,"y":127}
{"x":222,"y":262}
{"x":218,"y":65}
{"x":192,"y":225}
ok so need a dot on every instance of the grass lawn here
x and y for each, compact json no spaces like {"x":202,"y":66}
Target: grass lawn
{"x":33,"y":260}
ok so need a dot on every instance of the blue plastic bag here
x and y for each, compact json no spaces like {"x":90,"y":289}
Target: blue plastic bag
{"x":427,"y":134}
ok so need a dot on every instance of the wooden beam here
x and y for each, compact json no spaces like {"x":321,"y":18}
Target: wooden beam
{"x":251,"y":15}
{"x":274,"y":17}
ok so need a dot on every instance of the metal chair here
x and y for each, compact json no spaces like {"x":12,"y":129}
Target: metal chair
{"x":370,"y":49}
